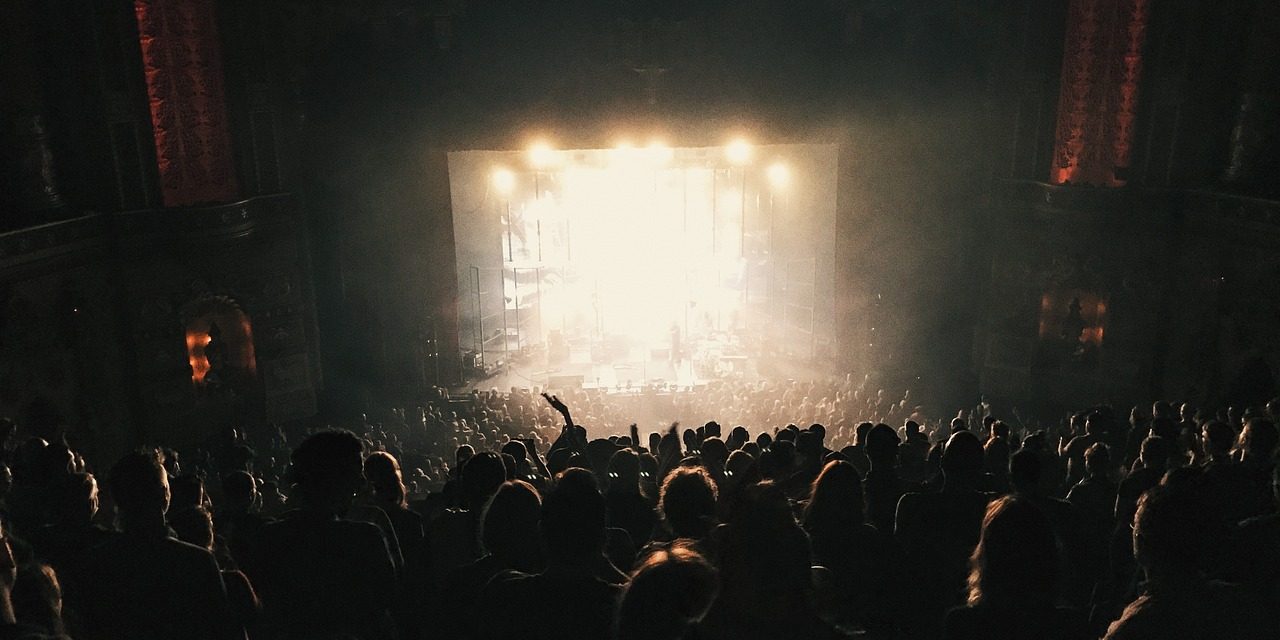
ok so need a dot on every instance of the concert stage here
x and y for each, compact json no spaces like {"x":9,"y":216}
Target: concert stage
{"x":591,"y":267}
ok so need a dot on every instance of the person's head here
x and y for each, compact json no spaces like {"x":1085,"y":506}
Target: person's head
{"x":139,"y":485}
{"x":687,"y":502}
{"x":509,"y":527}
{"x":624,"y":471}
{"x":186,"y":491}
{"x":962,"y":459}
{"x":240,"y":490}
{"x":1258,"y":440}
{"x":573,"y":518}
{"x":819,"y":431}
{"x":670,"y":591}
{"x":599,"y":452}
{"x":690,"y":439}
{"x":764,"y":440}
{"x":835,"y":499}
{"x":958,"y":424}
{"x":714,"y":453}
{"x":711,"y":429}
{"x":1154,"y":452}
{"x":76,"y":498}
{"x":1169,"y":531}
{"x":1024,"y":472}
{"x":1187,"y":412}
{"x":193,"y":526}
{"x":482,"y":476}
{"x":1000,"y":429}
{"x":383,"y":472}
{"x":764,"y":556}
{"x":1097,"y":460}
{"x":37,"y":599}
{"x":1218,"y":437}
{"x":1093,"y":423}
{"x":462,"y":455}
{"x":1016,"y":560}
{"x":860,"y":433}
{"x":328,"y":469}
{"x":516,"y":450}
{"x":778,"y":461}
{"x":911,"y":427}
{"x":882,"y":445}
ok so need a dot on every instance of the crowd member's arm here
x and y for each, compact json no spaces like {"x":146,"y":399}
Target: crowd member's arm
{"x":635,"y":439}
{"x":568,"y":438}
{"x":531,"y":447}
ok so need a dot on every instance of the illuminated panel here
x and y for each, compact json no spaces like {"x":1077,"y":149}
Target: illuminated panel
{"x":182,"y":64}
{"x":630,"y":244}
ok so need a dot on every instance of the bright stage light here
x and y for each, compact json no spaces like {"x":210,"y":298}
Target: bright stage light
{"x":504,"y":181}
{"x":738,"y":152}
{"x":660,"y":153}
{"x":541,"y":155}
{"x":779,"y":175}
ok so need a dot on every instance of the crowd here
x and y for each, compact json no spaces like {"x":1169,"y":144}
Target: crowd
{"x":525,"y":515}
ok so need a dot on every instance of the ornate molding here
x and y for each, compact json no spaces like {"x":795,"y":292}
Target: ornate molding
{"x":53,"y":239}
{"x":233,"y":219}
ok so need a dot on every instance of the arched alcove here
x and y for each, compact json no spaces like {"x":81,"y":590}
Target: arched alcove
{"x":219,"y":339}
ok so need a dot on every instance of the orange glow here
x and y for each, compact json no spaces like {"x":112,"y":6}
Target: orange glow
{"x":1056,"y":320}
{"x":196,"y":342}
{"x":237,"y":337}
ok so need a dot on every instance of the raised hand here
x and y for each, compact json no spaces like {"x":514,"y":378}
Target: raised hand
{"x":555,"y":402}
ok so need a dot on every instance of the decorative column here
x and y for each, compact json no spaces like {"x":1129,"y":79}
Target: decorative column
{"x":1098,"y":100}
{"x":182,"y":60}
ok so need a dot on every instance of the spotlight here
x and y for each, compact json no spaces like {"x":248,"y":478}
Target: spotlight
{"x":504,"y":181}
{"x":779,"y":175}
{"x":541,"y":155}
{"x":738,"y":151}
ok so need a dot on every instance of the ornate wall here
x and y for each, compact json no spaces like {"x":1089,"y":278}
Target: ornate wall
{"x":1144,"y":221}
{"x":97,"y":309}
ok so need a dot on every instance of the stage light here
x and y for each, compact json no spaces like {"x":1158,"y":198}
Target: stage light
{"x":660,"y":153}
{"x":779,"y":175}
{"x":541,"y":155}
{"x":504,"y":181}
{"x":738,"y":152}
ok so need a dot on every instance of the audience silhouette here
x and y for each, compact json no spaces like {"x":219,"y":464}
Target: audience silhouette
{"x":497,"y":516}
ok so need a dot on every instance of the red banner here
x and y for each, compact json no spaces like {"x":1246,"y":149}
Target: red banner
{"x":1098,"y":102}
{"x":182,"y":59}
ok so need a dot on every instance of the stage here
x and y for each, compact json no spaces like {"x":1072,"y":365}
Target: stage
{"x":590,"y":268}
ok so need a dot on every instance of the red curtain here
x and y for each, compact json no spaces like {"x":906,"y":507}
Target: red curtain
{"x":1098,"y":102}
{"x":182,"y":59}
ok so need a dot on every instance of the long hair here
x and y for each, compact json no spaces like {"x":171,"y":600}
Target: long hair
{"x":1017,"y":558}
{"x":383,"y":472}
{"x":835,"y":499}
{"x":670,"y":591}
